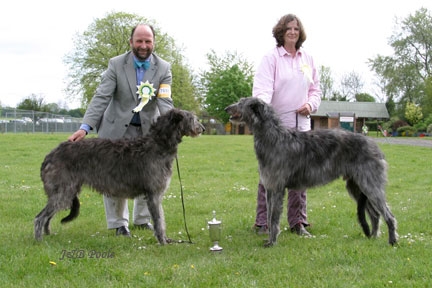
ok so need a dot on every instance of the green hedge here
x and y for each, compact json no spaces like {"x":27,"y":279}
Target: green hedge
{"x":408,"y":131}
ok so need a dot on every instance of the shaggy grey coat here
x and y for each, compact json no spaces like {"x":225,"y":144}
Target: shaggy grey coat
{"x":292,"y":159}
{"x":116,"y":168}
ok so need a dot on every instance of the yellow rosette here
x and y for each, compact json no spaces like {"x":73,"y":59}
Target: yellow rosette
{"x":307,"y":72}
{"x":145,"y":91}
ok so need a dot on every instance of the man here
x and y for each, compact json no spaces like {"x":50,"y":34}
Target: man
{"x":134,"y":91}
{"x":365,"y":129}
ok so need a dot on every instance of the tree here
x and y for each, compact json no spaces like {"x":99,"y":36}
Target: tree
{"x":77,"y":113}
{"x":413,"y":43}
{"x":380,"y":84}
{"x":351,"y":85}
{"x":108,"y":37}
{"x":364,"y":97}
{"x":33,"y":102}
{"x":53,"y":108}
{"x":406,"y":72}
{"x":413,"y":113}
{"x":326,"y":82}
{"x":229,"y":79}
{"x":426,"y":102}
{"x":390,"y":105}
{"x":185,"y":94}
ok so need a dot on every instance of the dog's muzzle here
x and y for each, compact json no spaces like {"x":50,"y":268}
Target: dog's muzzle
{"x":200,"y":128}
{"x":235,"y":115}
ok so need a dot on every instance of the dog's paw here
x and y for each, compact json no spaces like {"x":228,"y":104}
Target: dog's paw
{"x":165,"y":241}
{"x":268,"y":244}
{"x":393,"y":242}
{"x":169,"y":240}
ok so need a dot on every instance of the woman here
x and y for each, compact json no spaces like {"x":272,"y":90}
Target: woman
{"x":288,"y":80}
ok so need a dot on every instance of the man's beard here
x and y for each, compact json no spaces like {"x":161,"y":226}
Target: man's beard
{"x":141,"y":54}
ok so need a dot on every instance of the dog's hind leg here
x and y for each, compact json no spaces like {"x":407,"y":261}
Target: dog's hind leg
{"x":373,"y":186}
{"x":274,"y":211}
{"x":391,"y":224}
{"x":376,"y":198}
{"x":47,"y":229}
{"x":39,"y":224}
{"x":58,"y":199}
{"x":361,"y":200}
{"x":42,"y":221}
{"x":361,"y":209}
{"x":381,"y":206}
{"x":374,"y":217}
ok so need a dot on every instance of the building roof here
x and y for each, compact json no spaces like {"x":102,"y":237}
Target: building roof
{"x":360,"y":109}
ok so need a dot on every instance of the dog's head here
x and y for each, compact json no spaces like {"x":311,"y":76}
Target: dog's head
{"x":250,"y":111}
{"x":188,"y":123}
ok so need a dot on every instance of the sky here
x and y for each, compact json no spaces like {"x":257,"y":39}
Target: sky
{"x":36,"y":35}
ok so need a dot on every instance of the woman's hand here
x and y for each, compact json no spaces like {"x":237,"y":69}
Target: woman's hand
{"x":305,"y":110}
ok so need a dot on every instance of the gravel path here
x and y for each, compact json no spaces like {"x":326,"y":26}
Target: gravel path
{"x":414,"y":141}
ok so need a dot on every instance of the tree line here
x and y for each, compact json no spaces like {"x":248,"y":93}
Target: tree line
{"x":403,"y":80}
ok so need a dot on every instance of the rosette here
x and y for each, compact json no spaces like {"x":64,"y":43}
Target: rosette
{"x":307,"y":72}
{"x":145,"y":91}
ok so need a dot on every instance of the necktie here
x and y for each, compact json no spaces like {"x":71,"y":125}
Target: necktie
{"x":140,"y":74}
{"x":143,"y":64}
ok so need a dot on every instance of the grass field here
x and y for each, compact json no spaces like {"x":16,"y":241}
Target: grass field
{"x":218,"y":173}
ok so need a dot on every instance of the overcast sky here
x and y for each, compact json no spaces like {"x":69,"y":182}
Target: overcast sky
{"x":343,"y":35}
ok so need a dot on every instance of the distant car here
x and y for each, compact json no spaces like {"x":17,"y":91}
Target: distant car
{"x":19,"y":121}
{"x":49,"y":120}
{"x":23,"y":120}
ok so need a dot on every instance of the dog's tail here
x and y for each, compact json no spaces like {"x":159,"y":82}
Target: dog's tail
{"x":74,"y":212}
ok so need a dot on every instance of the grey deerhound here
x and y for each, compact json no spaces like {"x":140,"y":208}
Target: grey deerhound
{"x":116,"y":168}
{"x":291,"y":159}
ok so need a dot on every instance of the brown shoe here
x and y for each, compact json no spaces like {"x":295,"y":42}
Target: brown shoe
{"x":260,"y":230}
{"x":300,"y":230}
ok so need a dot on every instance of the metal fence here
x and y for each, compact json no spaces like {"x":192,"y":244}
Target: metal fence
{"x":18,"y":121}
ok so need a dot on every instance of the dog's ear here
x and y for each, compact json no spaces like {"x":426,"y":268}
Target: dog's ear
{"x":257,"y":107}
{"x":176,"y":115}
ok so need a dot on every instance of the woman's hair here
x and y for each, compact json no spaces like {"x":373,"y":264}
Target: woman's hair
{"x":281,"y":27}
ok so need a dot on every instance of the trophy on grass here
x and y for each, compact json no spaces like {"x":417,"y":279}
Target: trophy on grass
{"x":215,"y":229}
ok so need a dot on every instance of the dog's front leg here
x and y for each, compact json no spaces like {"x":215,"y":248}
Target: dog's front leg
{"x":157,"y":214}
{"x":274,"y":210}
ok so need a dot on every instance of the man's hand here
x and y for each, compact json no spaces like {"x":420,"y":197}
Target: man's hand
{"x":77,"y":136}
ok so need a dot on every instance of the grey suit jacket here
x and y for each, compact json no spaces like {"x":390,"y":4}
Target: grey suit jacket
{"x":110,"y":110}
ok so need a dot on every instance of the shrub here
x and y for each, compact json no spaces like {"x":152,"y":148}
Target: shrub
{"x":421,"y":126}
{"x":429,"y":129}
{"x":406,"y":130}
{"x":399,"y":123}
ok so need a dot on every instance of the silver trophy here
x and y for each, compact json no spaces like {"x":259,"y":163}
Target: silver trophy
{"x":215,"y":229}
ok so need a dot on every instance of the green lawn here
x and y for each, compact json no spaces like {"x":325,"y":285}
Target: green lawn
{"x":218,"y":173}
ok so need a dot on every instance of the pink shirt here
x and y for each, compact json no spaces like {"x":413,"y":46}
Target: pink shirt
{"x":287,"y":83}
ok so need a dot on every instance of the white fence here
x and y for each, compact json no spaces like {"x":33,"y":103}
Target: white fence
{"x":18,"y":121}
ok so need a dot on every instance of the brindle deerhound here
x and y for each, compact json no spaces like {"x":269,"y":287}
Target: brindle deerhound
{"x":116,"y":168}
{"x":291,"y":159}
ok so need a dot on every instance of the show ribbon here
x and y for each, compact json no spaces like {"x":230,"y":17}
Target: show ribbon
{"x":145,"y":91}
{"x":307,"y":72}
